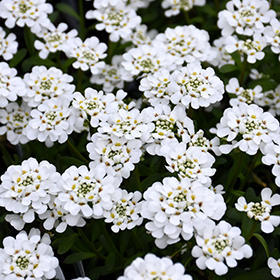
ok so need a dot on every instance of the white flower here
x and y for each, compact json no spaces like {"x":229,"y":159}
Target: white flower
{"x":245,"y":17}
{"x":185,"y":43}
{"x":117,"y":19}
{"x":243,"y":95}
{"x":145,"y":59}
{"x":274,"y":265}
{"x":97,"y":105}
{"x":256,"y":127}
{"x":110,"y":76}
{"x":131,"y":124}
{"x":218,"y":244}
{"x":44,"y":84}
{"x":125,"y":211}
{"x":252,"y":48}
{"x":152,"y":267}
{"x":270,"y":99}
{"x":169,"y":126}
{"x":199,"y":87}
{"x":81,"y":278}
{"x":117,"y":155}
{"x":222,"y":56}
{"x":160,"y":88}
{"x":140,"y":35}
{"x":8,"y":45}
{"x":86,"y":192}
{"x":34,"y":14}
{"x":10,"y":86}
{"x":260,"y":211}
{"x":88,"y":54}
{"x":27,"y":256}
{"x":177,"y":208}
{"x":175,"y":6}
{"x":189,"y":162}
{"x":52,"y":121}
{"x":55,"y":39}
{"x":27,"y":188}
{"x":15,"y":119}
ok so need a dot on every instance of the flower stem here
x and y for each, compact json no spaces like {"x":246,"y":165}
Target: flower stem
{"x":109,"y":239}
{"x":252,"y":231}
{"x":82,"y":20}
{"x":80,"y":79}
{"x":76,"y":152}
{"x":137,"y":178}
{"x":243,"y":71}
{"x":89,"y":244}
{"x":28,"y":41}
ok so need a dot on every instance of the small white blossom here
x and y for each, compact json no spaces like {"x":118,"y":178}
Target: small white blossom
{"x":8,"y":45}
{"x":125,"y":211}
{"x":218,"y":244}
{"x":185,"y":43}
{"x":118,"y":19}
{"x":26,"y":189}
{"x":88,"y":54}
{"x":52,"y":121}
{"x":274,"y":265}
{"x":175,"y":6}
{"x":44,"y":84}
{"x":55,"y":39}
{"x":177,"y":208}
{"x":257,"y":128}
{"x":15,"y":119}
{"x":245,"y":17}
{"x":153,"y":267}
{"x":10,"y":86}
{"x":27,"y":256}
{"x":34,"y":14}
{"x":260,"y":211}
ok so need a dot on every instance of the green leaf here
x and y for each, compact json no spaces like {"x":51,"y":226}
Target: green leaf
{"x":35,"y":60}
{"x":263,"y":242}
{"x":236,"y":57}
{"x":234,"y":214}
{"x":67,"y":243}
{"x":110,"y":261}
{"x":266,"y":84}
{"x":246,"y":225}
{"x":18,"y":57}
{"x":144,"y":170}
{"x":68,"y":161}
{"x":228,"y":68}
{"x":260,"y":274}
{"x":150,"y":180}
{"x":73,"y":258}
{"x":67,"y":9}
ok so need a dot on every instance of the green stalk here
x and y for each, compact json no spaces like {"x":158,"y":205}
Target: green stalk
{"x":137,"y":178}
{"x":243,"y":71}
{"x":89,"y":244}
{"x":252,"y":231}
{"x":109,"y":239}
{"x":187,"y":18}
{"x":80,"y":79}
{"x":82,"y":20}
{"x":76,"y":152}
{"x":28,"y":41}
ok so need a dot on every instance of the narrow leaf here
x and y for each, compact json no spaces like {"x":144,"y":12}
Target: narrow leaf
{"x":228,"y":68}
{"x":110,"y":261}
{"x":67,"y":243}
{"x":18,"y":57}
{"x":73,"y":258}
{"x":263,"y":242}
{"x":67,"y":9}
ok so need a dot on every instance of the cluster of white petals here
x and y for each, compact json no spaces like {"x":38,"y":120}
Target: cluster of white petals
{"x":245,"y":17}
{"x":218,"y":244}
{"x":118,"y":19}
{"x":185,"y":43}
{"x":274,"y":265}
{"x":175,"y":6}
{"x":260,"y":211}
{"x":180,"y":208}
{"x":10,"y":86}
{"x":243,"y":95}
{"x":249,"y":126}
{"x":44,"y":84}
{"x":8,"y":45}
{"x":27,"y":256}
{"x":125,"y":213}
{"x":34,"y":14}
{"x":26,"y":189}
{"x":14,"y":120}
{"x":153,"y":267}
{"x":54,"y":39}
